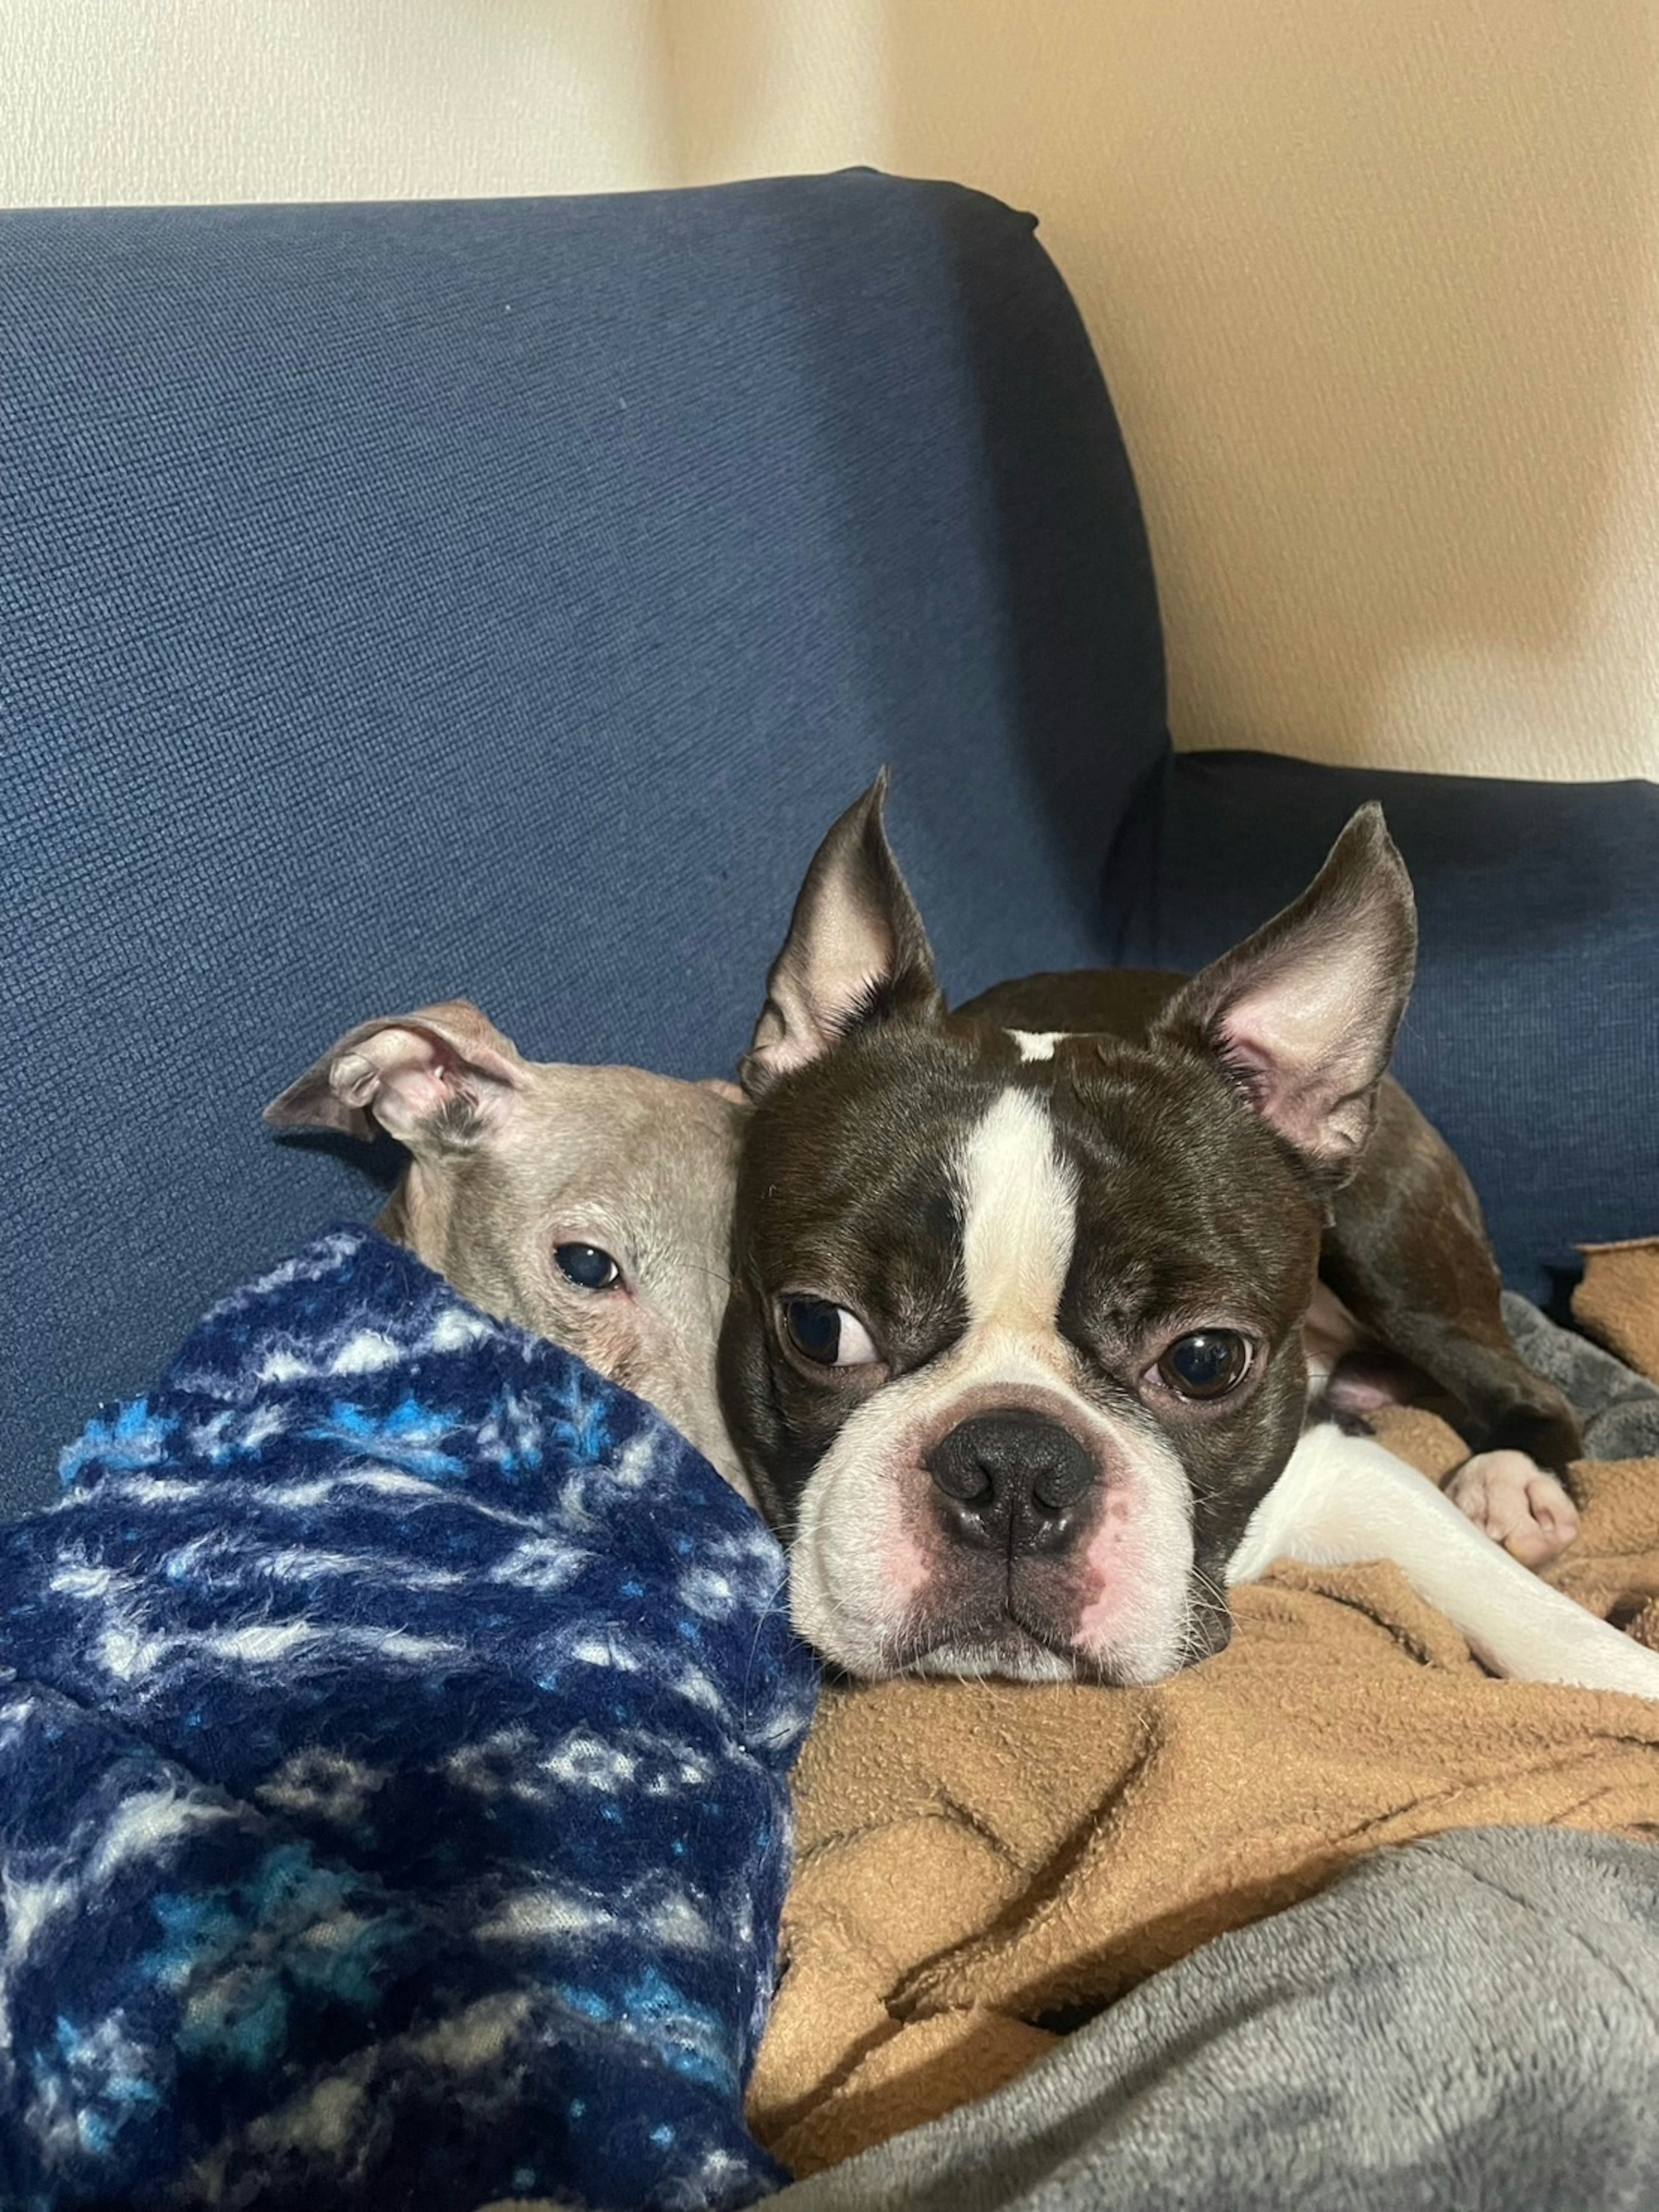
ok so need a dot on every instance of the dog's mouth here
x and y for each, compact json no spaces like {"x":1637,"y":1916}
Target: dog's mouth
{"x":1027,"y":1626}
{"x":1020,"y":1649}
{"x":1021,"y":1643}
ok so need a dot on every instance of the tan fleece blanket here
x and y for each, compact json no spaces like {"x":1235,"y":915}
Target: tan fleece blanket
{"x":979,"y":1865}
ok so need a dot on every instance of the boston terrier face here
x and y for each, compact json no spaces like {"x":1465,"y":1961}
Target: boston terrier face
{"x":1014,"y":1349}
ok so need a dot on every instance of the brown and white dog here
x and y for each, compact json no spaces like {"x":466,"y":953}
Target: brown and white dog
{"x":1015,"y":1351}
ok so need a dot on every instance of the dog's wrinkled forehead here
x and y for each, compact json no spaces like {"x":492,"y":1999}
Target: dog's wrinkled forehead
{"x":859,"y":1145}
{"x":862,"y":1171}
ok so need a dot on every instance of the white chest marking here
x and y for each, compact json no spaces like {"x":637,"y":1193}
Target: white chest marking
{"x":1038,"y":1044}
{"x":1019,"y":1215}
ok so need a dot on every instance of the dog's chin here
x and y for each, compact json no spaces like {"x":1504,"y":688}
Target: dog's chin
{"x":1006,"y":1649}
{"x":1009,"y":1653}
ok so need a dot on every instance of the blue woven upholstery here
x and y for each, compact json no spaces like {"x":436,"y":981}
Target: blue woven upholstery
{"x":502,"y":598}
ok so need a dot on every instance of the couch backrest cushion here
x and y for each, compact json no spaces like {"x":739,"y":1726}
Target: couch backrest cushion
{"x":500,"y":598}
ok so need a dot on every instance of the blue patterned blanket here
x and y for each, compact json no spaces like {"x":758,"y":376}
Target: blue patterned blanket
{"x":395,"y":1721}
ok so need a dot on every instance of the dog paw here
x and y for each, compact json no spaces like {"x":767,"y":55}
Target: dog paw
{"x":1517,"y":1503}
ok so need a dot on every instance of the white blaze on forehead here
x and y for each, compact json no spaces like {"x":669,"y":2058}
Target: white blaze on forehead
{"x":1019,"y":1209}
{"x":1038,"y":1044}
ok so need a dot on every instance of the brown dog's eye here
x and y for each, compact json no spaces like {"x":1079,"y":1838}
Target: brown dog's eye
{"x":586,"y":1266}
{"x":1206,"y":1365}
{"x":827,"y":1334}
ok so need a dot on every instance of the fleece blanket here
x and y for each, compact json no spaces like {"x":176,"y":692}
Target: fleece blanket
{"x":1471,"y":2022}
{"x":395,"y":1721}
{"x":981,"y":1866}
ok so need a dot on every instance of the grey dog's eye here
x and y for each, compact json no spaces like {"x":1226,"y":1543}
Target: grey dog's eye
{"x":1206,"y":1365}
{"x":586,"y":1266}
{"x":827,"y":1334}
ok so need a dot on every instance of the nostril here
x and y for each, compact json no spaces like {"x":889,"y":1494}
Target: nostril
{"x":959,"y":1470}
{"x":961,"y":1477}
{"x":1062,"y":1480}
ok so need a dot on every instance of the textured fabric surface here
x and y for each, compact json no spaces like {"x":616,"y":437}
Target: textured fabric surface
{"x":394,"y":1730}
{"x":1619,"y":1298}
{"x":1469,"y":2023}
{"x":1617,"y":1406}
{"x":503,"y":599}
{"x":951,"y":1912}
{"x":1531,"y":1039}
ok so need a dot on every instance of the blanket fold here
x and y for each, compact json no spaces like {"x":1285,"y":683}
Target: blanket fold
{"x":393,"y":1750}
{"x":981,"y":1866}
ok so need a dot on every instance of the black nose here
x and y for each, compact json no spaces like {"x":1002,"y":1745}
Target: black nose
{"x":1011,"y":1480}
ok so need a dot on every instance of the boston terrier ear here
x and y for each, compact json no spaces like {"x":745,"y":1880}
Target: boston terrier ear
{"x":440,"y":1077}
{"x":856,"y":952}
{"x":1303,"y":1015}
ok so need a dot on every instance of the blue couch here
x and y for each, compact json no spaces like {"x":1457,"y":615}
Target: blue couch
{"x":500,"y":598}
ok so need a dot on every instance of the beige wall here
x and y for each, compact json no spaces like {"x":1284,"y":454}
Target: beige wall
{"x":105,"y":100}
{"x":1376,"y":286}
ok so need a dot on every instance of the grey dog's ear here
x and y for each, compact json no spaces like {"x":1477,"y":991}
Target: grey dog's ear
{"x":441,"y":1076}
{"x":1303,"y":1015}
{"x":856,"y":952}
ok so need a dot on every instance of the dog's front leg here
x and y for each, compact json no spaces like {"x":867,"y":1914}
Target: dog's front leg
{"x":1343,"y":1499}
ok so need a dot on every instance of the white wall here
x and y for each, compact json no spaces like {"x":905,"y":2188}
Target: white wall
{"x":1376,"y":286}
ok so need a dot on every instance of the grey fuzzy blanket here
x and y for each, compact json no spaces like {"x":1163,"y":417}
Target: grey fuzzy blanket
{"x":1619,"y":1408}
{"x":1468,"y":2025}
